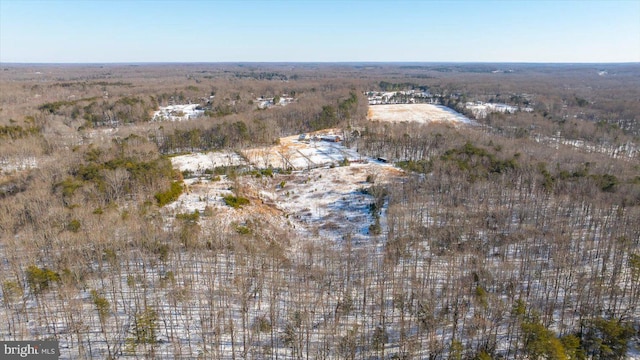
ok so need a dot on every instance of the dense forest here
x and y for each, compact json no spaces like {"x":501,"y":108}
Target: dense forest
{"x":515,"y":237}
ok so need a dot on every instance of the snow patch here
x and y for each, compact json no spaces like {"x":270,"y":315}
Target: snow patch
{"x":177,"y":113}
{"x":304,"y":152}
{"x":9,"y":165}
{"x":197,"y":163}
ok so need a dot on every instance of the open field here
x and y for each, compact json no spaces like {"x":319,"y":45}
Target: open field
{"x":418,"y":113}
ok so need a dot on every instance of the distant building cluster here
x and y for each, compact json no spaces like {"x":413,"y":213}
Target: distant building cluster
{"x":401,"y":97}
{"x":266,"y":103}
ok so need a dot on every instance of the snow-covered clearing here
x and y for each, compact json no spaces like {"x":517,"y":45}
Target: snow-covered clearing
{"x":199,"y":162}
{"x":324,"y":199}
{"x":10,"y":165}
{"x":330,"y":202}
{"x":481,"y":110}
{"x":177,"y":113}
{"x":298,"y":154}
{"x":420,"y":113}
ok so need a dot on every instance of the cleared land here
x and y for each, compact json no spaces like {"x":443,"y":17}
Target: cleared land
{"x":420,"y":113}
{"x":310,"y":153}
{"x":318,"y":197}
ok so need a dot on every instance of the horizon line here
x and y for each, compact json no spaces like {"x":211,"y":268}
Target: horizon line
{"x":320,"y":62}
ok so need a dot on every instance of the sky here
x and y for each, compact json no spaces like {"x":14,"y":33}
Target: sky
{"x":115,"y":31}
